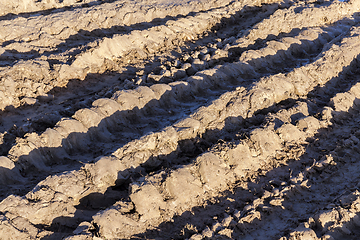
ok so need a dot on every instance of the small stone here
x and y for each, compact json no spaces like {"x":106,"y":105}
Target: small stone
{"x":139,"y":81}
{"x":207,"y":232}
{"x":204,"y":50}
{"x":186,"y":58}
{"x":327,"y":237}
{"x":186,"y":66}
{"x":277,"y":202}
{"x":195,"y":55}
{"x":226,"y":221}
{"x":176,"y":63}
{"x":226,"y":232}
{"x":206,"y":58}
{"x":83,"y":227}
{"x":153,"y":78}
{"x":28,"y":101}
{"x":216,"y":226}
{"x":196,"y":237}
{"x":237,"y":214}
{"x":253,"y":216}
{"x":354,"y":139}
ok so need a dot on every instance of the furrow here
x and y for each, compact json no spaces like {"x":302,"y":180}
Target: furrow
{"x":264,"y":61}
{"x":112,"y":119}
{"x":295,"y":17}
{"x":56,"y":69}
{"x":111,"y":49}
{"x":320,"y":190}
{"x":103,"y":16}
{"x":19,"y":115}
{"x":268,"y":150}
{"x":155,"y":38}
{"x":69,"y":194}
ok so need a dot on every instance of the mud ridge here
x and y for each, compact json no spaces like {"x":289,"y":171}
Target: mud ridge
{"x":42,"y":91}
{"x":274,"y":190}
{"x":28,"y":97}
{"x":104,"y":120}
{"x":184,"y":130}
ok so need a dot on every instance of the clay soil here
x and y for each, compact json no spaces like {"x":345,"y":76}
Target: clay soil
{"x":206,"y":119}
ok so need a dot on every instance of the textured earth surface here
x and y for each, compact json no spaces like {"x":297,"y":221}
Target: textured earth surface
{"x":207,"y":119}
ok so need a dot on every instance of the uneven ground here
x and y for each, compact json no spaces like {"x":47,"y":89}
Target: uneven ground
{"x":180,"y":120}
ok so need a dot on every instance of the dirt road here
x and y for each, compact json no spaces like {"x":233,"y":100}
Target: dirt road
{"x":180,"y":120}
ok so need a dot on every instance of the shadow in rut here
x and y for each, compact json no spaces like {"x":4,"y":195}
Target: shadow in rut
{"x":187,"y":152}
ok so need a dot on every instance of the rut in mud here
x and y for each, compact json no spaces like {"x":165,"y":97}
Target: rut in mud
{"x":208,"y":119}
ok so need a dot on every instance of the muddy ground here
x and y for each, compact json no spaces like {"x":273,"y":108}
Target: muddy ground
{"x":180,"y":120}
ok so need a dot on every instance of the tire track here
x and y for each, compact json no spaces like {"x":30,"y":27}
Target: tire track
{"x":43,"y":64}
{"x":155,"y":208}
{"x":295,"y":195}
{"x":44,"y":97}
{"x":71,"y":114}
{"x":275,"y":190}
{"x":107,"y":14}
{"x":79,"y":180}
{"x":19,"y":121}
{"x":57,"y":72}
{"x":28,"y":94}
{"x":102,"y":121}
